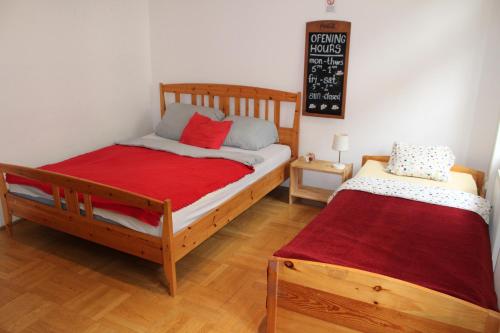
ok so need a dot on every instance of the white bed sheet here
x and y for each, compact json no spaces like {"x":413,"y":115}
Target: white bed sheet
{"x":274,"y":155}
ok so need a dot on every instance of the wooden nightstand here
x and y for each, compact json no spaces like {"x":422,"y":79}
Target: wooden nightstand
{"x":298,"y":190}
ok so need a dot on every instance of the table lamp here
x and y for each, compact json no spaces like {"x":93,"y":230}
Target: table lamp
{"x":340,"y":144}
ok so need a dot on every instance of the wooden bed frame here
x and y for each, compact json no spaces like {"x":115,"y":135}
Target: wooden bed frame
{"x":169,"y":248}
{"x":307,"y":296}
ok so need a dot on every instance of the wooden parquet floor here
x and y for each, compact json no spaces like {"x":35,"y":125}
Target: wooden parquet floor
{"x":53,"y":282}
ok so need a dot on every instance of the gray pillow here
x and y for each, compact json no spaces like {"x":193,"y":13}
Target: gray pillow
{"x":251,"y":133}
{"x":177,"y":116}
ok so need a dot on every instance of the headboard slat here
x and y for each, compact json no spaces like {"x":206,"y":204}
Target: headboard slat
{"x":220,"y":105}
{"x":226,"y":106}
{"x":237,"y":105}
{"x":224,"y":92}
{"x":277,"y":112}
{"x":266,"y":116}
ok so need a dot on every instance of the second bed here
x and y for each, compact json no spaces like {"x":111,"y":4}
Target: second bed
{"x":389,"y":254}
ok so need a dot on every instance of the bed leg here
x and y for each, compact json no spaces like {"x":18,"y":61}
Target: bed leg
{"x":167,"y":249}
{"x":272,"y":294}
{"x":7,"y":216}
{"x":170,"y":276}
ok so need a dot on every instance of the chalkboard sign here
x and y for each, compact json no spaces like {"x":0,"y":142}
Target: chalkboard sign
{"x":325,"y":68}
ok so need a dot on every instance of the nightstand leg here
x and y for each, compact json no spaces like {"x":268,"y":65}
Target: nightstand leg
{"x":347,"y":174}
{"x":294,"y":178}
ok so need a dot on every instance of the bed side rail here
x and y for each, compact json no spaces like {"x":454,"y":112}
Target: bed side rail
{"x":309,"y":296}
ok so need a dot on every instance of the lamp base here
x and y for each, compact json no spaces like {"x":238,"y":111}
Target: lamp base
{"x":339,"y":166}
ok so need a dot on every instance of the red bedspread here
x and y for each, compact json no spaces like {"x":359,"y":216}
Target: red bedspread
{"x":441,"y":248}
{"x":156,"y":174}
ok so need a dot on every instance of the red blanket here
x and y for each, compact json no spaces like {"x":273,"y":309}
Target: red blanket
{"x":156,"y":174}
{"x":441,"y":248}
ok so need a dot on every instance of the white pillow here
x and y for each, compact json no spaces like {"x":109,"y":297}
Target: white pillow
{"x":429,"y":162}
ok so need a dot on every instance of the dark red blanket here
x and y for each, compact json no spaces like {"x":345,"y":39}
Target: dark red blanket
{"x":156,"y":174}
{"x":441,"y":248}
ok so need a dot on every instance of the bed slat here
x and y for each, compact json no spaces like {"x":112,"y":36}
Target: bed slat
{"x":227,"y":106}
{"x":222,"y":104}
{"x":89,"y":211}
{"x":267,"y":110}
{"x":56,"y":194}
{"x":277,"y":111}
{"x":71,"y":201}
{"x":237,"y":105}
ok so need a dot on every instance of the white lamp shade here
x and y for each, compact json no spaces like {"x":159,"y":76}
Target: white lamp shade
{"x":340,"y":142}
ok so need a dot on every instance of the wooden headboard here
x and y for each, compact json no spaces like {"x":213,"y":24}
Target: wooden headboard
{"x":476,"y":174}
{"x":241,"y":100}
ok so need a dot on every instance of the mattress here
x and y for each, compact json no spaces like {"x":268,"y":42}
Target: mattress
{"x":458,"y":180}
{"x":273,"y":156}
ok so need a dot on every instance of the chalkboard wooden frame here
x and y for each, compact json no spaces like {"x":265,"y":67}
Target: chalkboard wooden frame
{"x":326,"y":27}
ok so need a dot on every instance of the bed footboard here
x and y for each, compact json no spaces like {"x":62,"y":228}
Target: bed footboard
{"x":67,"y":215}
{"x":305,"y":296}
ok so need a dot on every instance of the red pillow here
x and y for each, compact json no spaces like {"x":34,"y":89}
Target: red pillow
{"x":204,"y":132}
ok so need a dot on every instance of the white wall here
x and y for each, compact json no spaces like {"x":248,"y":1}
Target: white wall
{"x":485,"y":135}
{"x":486,"y":124}
{"x":487,"y":105}
{"x":74,"y":76}
{"x":413,"y":73}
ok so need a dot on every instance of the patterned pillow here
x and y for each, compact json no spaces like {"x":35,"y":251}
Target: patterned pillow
{"x":430,"y":162}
